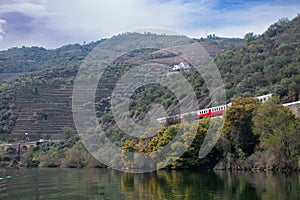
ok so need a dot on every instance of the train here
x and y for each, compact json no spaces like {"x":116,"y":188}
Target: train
{"x":208,"y":112}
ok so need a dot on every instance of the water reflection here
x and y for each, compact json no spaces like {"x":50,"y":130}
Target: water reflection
{"x":186,"y":185}
{"x":211,"y":185}
{"x":160,"y":185}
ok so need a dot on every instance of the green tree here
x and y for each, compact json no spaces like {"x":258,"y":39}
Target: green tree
{"x":77,"y":156}
{"x":279,"y":131}
{"x":30,"y":158}
{"x":51,"y":158}
{"x":250,"y":37}
{"x":238,"y":126}
{"x":68,"y":132}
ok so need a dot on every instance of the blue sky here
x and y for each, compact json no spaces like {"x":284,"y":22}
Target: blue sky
{"x":53,"y":23}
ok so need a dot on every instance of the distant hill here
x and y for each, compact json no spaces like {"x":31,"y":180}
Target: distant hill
{"x":29,"y":59}
{"x":40,"y":102}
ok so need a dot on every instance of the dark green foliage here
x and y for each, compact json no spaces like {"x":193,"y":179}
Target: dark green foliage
{"x":30,"y":158}
{"x":279,"y":131}
{"x":268,"y":63}
{"x":223,"y":43}
{"x":238,"y":126}
{"x":29,"y":59}
{"x":8,"y":114}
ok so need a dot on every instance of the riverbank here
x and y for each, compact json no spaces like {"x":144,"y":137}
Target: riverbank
{"x":254,"y":137}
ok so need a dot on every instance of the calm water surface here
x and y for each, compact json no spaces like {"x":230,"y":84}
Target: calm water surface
{"x":110,"y":184}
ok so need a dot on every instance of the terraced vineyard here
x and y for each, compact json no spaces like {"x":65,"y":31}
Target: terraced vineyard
{"x":43,"y":111}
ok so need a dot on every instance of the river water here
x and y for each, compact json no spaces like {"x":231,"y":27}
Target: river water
{"x":110,"y":184}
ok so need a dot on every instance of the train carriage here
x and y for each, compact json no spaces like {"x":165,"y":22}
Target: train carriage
{"x":210,"y":112}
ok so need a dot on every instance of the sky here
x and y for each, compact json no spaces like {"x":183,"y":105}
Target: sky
{"x":53,"y":23}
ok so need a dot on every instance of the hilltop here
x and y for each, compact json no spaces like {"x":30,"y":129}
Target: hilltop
{"x":30,"y":59}
{"x":16,"y":61}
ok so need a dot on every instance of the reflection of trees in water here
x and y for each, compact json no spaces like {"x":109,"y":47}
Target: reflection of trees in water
{"x":159,"y":185}
{"x":276,"y":186}
{"x":262,"y":185}
{"x":166,"y":184}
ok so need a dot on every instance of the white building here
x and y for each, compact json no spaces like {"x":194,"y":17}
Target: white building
{"x":181,"y":66}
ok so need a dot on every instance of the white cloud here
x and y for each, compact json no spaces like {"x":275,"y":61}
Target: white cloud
{"x":102,"y":19}
{"x":2,"y":32}
{"x":77,"y":21}
{"x":59,"y":22}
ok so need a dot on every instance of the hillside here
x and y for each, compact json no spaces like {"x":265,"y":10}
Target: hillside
{"x":269,"y":63}
{"x":40,"y":102}
{"x":29,"y":59}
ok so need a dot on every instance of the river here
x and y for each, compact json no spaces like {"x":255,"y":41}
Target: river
{"x":160,"y":185}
